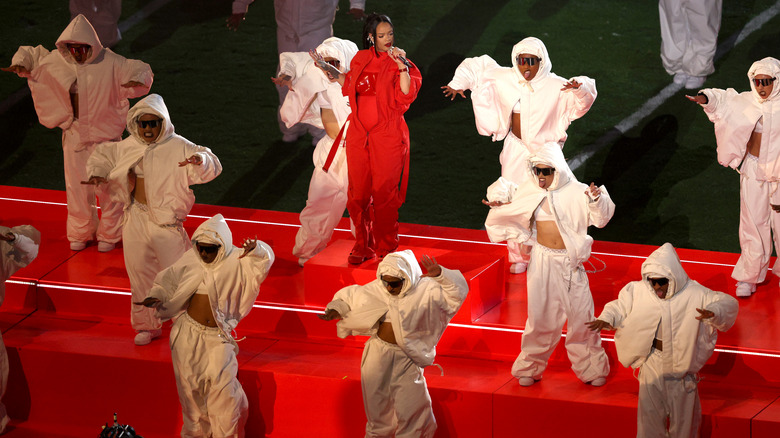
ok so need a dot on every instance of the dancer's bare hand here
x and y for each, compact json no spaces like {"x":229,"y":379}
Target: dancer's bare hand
{"x":571,"y":85}
{"x":451,"y":92}
{"x":495,"y":203}
{"x":595,"y":192}
{"x":705,"y":314}
{"x":18,"y":69}
{"x":148,"y":302}
{"x":283,"y":81}
{"x":132,"y":84}
{"x":598,"y":325}
{"x":699,"y":98}
{"x":431,"y":267}
{"x":249,"y":245}
{"x":329,"y":315}
{"x":195,"y":160}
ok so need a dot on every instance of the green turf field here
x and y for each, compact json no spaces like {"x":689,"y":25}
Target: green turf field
{"x":662,"y":174}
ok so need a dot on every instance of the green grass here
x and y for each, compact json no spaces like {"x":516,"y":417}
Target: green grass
{"x":662,"y":174}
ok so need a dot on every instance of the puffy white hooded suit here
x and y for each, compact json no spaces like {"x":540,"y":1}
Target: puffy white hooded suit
{"x":545,"y":109}
{"x":14,"y":255}
{"x":301,"y":25}
{"x":153,"y":235}
{"x":668,"y":379}
{"x":557,"y":283}
{"x":327,"y":197}
{"x":103,"y":105}
{"x":735,"y":116}
{"x":395,"y":395}
{"x":204,"y":359}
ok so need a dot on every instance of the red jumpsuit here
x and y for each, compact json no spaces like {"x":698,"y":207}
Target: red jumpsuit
{"x":377,"y":150}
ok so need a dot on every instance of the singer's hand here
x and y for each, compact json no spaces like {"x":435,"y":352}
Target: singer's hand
{"x":399,"y":56}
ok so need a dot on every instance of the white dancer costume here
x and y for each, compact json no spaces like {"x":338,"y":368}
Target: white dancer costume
{"x":557,"y":283}
{"x":395,"y":394}
{"x":736,"y":116}
{"x":104,"y":16}
{"x":14,"y":255}
{"x":153,"y":235}
{"x":668,"y":378}
{"x":327,"y":197}
{"x":54,"y":77}
{"x":546,"y":111}
{"x":301,"y":25}
{"x":212,"y":400}
{"x":689,"y":35}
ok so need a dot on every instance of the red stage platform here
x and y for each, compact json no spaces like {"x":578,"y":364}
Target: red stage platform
{"x":66,"y":327}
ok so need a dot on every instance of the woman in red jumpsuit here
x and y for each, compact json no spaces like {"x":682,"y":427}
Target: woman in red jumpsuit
{"x":381,"y":84}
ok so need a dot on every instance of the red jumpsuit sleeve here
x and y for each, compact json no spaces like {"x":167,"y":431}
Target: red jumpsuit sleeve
{"x":414,"y":86}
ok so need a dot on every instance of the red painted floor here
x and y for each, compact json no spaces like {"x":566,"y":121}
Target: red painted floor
{"x":77,"y":301}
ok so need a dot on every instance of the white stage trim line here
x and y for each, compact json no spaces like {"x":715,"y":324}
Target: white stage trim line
{"x":444,"y":239}
{"x":318,"y":311}
{"x":292,"y":309}
{"x":27,"y":283}
{"x":83,"y":289}
{"x":32,"y":201}
{"x":681,"y":260}
{"x":509,"y":330}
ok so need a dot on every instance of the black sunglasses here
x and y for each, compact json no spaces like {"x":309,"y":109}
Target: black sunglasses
{"x":210,"y":249}
{"x":150,"y":123}
{"x":334,"y":62}
{"x":546,"y":171}
{"x":527,"y":61}
{"x":659,"y":281}
{"x":763,"y":82}
{"x":393,"y":284}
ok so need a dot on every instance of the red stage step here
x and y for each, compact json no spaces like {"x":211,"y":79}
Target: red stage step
{"x":65,"y":318}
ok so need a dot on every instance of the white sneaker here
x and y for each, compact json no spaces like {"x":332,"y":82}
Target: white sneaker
{"x":680,"y":78}
{"x":695,"y":82}
{"x":145,"y":336}
{"x":600,"y":381}
{"x":745,"y":289}
{"x":526,"y":381}
{"x":518,"y":268}
{"x":106,"y":246}
{"x":77,"y":246}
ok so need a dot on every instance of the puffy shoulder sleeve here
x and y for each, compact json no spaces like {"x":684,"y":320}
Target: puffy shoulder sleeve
{"x":133,"y":70}
{"x":717,"y":102}
{"x":255,"y":267}
{"x":616,"y":311}
{"x":470,"y":72}
{"x":454,"y":288}
{"x":579,"y":100}
{"x":207,"y":170}
{"x":29,"y":57}
{"x":414,"y":86}
{"x":103,"y":159}
{"x":725,"y":307}
{"x":601,"y":210}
